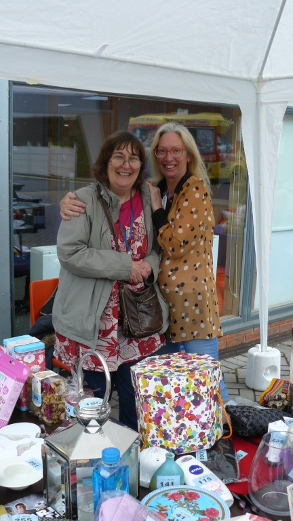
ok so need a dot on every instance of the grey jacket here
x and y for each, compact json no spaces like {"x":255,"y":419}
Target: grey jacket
{"x":89,"y":266}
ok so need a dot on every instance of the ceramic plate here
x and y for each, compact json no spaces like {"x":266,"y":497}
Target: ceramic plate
{"x":24,"y":429}
{"x":19,"y":439}
{"x":25,"y":448}
{"x":188,"y":503}
{"x":18,"y":473}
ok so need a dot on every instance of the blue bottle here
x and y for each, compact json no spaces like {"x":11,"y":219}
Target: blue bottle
{"x":109,"y":474}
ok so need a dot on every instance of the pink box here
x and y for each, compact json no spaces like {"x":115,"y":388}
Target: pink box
{"x":31,"y":352}
{"x":13,"y":375}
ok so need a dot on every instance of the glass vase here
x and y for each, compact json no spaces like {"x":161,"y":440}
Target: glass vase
{"x":270,"y":474}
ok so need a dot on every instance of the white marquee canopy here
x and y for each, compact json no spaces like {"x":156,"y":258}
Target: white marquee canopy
{"x":207,"y":51}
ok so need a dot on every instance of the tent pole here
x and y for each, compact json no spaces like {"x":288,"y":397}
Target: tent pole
{"x":259,"y":188}
{"x":272,"y":37}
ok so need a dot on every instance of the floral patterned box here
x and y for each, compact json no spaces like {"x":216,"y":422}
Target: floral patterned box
{"x":176,"y":401}
{"x":31,"y":352}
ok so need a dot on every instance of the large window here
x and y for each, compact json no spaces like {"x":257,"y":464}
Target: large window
{"x":57,"y":135}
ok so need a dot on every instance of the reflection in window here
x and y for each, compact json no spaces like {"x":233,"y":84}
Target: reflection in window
{"x":204,"y":138}
{"x":224,"y":144}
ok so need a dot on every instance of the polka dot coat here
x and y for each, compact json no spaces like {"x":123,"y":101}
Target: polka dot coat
{"x":186,"y":276}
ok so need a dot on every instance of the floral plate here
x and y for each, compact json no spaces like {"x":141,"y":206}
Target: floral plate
{"x":187,"y":503}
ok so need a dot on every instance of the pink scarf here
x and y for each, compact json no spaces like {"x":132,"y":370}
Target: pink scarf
{"x":122,"y":508}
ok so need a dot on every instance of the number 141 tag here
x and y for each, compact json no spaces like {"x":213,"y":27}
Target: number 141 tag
{"x":168,"y":481}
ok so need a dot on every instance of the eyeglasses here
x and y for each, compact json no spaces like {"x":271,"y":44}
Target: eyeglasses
{"x":134,"y":163}
{"x":175,"y":152}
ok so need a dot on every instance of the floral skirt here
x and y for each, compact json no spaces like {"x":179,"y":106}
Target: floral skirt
{"x":111,"y":343}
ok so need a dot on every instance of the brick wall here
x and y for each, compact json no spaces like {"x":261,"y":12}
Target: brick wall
{"x":252,"y":336}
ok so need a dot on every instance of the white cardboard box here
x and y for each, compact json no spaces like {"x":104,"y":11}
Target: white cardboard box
{"x":44,"y":263}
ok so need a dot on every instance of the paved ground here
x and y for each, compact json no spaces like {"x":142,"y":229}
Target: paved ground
{"x":234,"y":370}
{"x":234,"y":364}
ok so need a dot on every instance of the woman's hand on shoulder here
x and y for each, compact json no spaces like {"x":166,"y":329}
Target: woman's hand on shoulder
{"x":156,"y":200}
{"x":71,"y":207}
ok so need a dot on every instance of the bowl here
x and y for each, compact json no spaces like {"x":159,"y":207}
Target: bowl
{"x":19,"y":473}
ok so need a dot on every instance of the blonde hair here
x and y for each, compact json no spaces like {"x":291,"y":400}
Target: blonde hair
{"x":196,"y":165}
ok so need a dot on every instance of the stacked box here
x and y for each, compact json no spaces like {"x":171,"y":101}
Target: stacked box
{"x":31,"y":352}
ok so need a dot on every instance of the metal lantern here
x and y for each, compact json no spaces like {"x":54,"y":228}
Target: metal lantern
{"x":70,"y":454}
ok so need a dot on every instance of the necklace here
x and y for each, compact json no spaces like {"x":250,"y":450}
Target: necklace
{"x":165,"y":199}
{"x":127,"y":243}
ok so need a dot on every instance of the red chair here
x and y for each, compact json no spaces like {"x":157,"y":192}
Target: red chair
{"x":40,"y":292}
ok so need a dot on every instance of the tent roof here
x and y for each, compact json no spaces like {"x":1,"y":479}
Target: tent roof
{"x":242,"y":39}
{"x":234,"y":52}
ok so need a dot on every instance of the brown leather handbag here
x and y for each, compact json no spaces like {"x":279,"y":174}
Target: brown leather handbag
{"x":141,"y":312}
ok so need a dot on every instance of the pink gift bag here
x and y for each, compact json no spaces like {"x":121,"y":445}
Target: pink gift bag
{"x":13,"y":375}
{"x":31,"y":352}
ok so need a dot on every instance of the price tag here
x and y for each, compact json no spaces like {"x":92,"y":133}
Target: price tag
{"x":168,"y":481}
{"x":69,"y":409}
{"x":90,"y":402}
{"x":37,"y":386}
{"x":240,"y":454}
{"x":209,"y":482}
{"x":35,"y":463}
{"x":24,"y":517}
{"x":201,"y":455}
{"x":204,"y":480}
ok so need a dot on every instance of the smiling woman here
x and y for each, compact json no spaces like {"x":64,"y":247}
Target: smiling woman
{"x":86,"y":311}
{"x":123,"y":169}
{"x":120,"y":164}
{"x":184,"y":220}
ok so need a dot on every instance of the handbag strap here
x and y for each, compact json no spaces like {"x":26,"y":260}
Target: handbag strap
{"x":108,"y":216}
{"x":111,"y":224}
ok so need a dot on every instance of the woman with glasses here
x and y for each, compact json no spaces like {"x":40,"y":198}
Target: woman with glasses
{"x":184,"y":221}
{"x":86,"y":310}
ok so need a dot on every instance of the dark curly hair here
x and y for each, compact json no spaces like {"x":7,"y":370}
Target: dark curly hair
{"x":118,"y":141}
